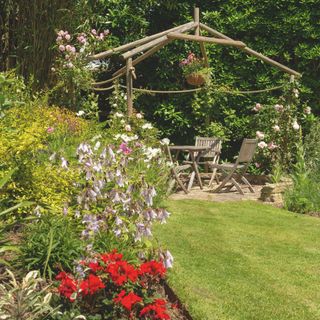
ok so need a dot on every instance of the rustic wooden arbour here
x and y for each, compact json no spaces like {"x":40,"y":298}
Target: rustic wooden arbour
{"x":157,"y":41}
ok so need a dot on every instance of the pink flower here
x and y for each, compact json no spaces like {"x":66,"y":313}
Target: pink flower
{"x":68,"y":47}
{"x":100,"y":36}
{"x":257,"y":107}
{"x":59,"y":38}
{"x":258,"y":165}
{"x":62,"y":48}
{"x":106,"y":32}
{"x":60,"y":33}
{"x":50,"y":129}
{"x":276,"y":128}
{"x":67,"y":37}
{"x":260,"y":135}
{"x":82,"y":39}
{"x":262,"y":145}
{"x":94,"y":31}
{"x":124,"y":148}
{"x":272,"y":146}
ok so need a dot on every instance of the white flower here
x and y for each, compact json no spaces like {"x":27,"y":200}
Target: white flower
{"x":127,"y":127}
{"x":52,"y":157}
{"x":165,"y":141}
{"x":80,"y":113}
{"x":276,"y":128}
{"x":257,"y":107}
{"x":139,"y":116}
{"x":296,"y":92}
{"x":278,"y":107}
{"x":97,"y":146}
{"x":64,"y":163}
{"x":151,"y":153}
{"x":295,"y":125}
{"x":307,"y":110}
{"x":118,"y":115}
{"x":147,"y":126}
{"x":260,"y":135}
{"x":262,"y":145}
{"x":122,"y":121}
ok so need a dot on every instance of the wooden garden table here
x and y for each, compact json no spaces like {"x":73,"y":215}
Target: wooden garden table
{"x":192,"y":150}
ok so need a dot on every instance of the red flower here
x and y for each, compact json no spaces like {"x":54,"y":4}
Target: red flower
{"x":92,"y":284}
{"x":94,"y":266}
{"x":153,"y":268}
{"x":68,"y":286}
{"x":157,"y":310}
{"x":121,"y":272}
{"x":111,"y":257}
{"x":128,"y":300}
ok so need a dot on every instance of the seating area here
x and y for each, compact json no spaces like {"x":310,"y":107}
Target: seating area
{"x":199,"y":165}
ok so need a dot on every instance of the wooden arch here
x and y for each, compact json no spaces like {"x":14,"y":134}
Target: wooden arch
{"x":157,"y":41}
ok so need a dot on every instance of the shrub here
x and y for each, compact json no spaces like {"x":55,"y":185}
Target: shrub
{"x":304,"y":197}
{"x":25,"y":300}
{"x":49,"y":244}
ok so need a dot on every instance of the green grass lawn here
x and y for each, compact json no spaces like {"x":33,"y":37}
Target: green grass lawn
{"x":243,"y":260}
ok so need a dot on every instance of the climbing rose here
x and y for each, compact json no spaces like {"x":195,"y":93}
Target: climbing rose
{"x":278,"y":107}
{"x":257,"y":107}
{"x":262,"y":145}
{"x":259,"y":135}
{"x":272,"y":146}
{"x":62,"y":47}
{"x":276,"y":128}
{"x":139,"y":116}
{"x":307,"y":110}
{"x":295,"y":125}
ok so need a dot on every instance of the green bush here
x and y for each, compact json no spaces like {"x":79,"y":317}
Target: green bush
{"x":304,"y":196}
{"x":50,"y":244}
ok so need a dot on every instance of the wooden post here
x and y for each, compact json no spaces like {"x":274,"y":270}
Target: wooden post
{"x":129,"y":87}
{"x":252,"y":52}
{"x":197,"y":33}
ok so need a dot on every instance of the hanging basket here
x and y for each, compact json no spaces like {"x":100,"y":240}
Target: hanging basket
{"x":196,"y":79}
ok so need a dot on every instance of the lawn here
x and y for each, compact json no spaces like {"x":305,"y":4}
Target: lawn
{"x":243,"y":260}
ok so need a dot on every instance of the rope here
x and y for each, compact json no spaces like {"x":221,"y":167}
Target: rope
{"x":193,"y":90}
{"x":107,"y":81}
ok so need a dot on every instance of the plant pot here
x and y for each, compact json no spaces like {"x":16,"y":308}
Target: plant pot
{"x":195,"y":79}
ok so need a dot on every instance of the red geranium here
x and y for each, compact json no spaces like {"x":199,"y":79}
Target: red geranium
{"x":156,"y":310}
{"x":121,"y":271}
{"x":111,"y":257}
{"x":128,"y":300}
{"x":95,"y":266}
{"x":91,"y":285}
{"x":153,"y":268}
{"x":68,"y":285}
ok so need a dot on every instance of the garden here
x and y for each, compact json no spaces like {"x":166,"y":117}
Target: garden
{"x":109,"y":110}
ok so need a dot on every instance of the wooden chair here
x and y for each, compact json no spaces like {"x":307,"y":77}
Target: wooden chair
{"x":212,"y":156}
{"x":177,"y":172}
{"x":240,"y":167}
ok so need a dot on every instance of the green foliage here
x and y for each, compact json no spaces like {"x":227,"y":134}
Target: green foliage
{"x":312,"y":149}
{"x":51,"y":243}
{"x":25,"y":300}
{"x":304,"y":197}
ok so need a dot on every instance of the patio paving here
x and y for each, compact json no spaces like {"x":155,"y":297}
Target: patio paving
{"x":206,"y":194}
